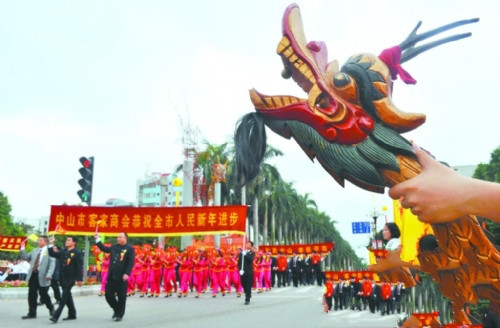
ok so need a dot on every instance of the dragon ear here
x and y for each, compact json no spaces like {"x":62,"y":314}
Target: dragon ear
{"x":398,"y":120}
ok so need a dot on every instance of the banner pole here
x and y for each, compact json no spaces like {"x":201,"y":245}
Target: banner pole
{"x":243,"y":202}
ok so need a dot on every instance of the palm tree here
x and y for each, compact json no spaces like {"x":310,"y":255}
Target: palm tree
{"x":213,"y":154}
{"x":257,"y":187}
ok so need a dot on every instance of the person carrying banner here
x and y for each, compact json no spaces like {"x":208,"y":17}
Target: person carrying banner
{"x":39,"y":276}
{"x":121,"y":262}
{"x":245,"y":263}
{"x":71,"y":272}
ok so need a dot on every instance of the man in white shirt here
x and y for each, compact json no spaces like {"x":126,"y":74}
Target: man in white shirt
{"x":5,"y":275}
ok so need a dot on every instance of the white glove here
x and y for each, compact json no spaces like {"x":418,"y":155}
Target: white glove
{"x":242,"y":272}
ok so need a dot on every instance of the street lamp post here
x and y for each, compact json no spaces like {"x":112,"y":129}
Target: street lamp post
{"x":375,"y":215}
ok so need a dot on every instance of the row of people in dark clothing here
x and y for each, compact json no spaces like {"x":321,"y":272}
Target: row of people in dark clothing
{"x":300,"y":269}
{"x":364,"y":294}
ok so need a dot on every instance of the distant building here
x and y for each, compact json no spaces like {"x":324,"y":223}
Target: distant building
{"x":465,"y":170}
{"x":160,"y":189}
{"x":41,"y":224}
{"x":118,"y":202}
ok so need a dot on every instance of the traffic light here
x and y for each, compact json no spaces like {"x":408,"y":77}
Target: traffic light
{"x":87,"y":173}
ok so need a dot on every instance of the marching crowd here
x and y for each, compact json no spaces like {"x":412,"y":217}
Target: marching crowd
{"x":170,"y":272}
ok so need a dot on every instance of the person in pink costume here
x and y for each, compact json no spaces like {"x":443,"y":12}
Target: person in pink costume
{"x":185,"y":272}
{"x":146,"y":267}
{"x":258,"y":271}
{"x":199,"y":264}
{"x":169,"y":278}
{"x":218,"y":274}
{"x":234,"y":274}
{"x":104,"y":273}
{"x":266,"y":272}
{"x":205,"y":272}
{"x":155,"y":273}
{"x":135,"y":276}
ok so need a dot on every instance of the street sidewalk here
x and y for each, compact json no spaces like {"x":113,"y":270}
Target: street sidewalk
{"x":22,"y":292}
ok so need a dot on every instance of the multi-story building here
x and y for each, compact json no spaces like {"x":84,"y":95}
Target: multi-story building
{"x":160,"y":189}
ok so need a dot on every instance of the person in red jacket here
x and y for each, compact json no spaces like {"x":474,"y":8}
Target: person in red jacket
{"x":367,"y":292}
{"x":282,"y":263}
{"x":316,"y":267}
{"x":327,"y":296}
{"x":385,"y":297}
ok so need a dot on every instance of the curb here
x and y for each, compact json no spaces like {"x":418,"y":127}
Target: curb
{"x":22,"y":292}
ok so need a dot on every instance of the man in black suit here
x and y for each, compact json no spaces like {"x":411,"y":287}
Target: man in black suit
{"x":398,"y":293}
{"x":71,"y":272}
{"x":245,"y":263}
{"x":307,"y":270}
{"x":296,"y":267}
{"x":274,"y":269}
{"x":120,"y":264}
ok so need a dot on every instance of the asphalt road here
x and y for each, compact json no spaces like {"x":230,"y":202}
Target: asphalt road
{"x":282,"y":307}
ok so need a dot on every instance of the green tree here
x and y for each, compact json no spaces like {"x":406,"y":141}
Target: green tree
{"x":491,"y":172}
{"x":7,"y":225}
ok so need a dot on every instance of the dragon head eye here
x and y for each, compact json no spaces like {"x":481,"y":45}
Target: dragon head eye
{"x":323,"y":101}
{"x":341,"y":79}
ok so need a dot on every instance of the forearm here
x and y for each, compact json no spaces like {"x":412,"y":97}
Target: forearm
{"x":484,"y":199}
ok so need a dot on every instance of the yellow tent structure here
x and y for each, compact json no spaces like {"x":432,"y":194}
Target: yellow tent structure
{"x":411,"y":231}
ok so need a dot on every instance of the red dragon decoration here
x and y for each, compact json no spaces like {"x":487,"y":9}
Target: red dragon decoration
{"x":349,"y":123}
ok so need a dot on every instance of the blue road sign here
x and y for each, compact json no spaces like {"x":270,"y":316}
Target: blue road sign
{"x":361,"y":227}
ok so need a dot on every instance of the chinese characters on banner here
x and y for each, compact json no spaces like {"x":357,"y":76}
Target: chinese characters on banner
{"x":299,"y":248}
{"x":346,"y":275}
{"x":11,"y":243}
{"x":149,"y":221}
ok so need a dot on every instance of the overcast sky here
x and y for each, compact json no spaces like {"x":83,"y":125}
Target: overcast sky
{"x":113,"y":79}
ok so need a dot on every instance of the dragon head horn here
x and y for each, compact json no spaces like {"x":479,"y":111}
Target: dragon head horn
{"x":408,"y":45}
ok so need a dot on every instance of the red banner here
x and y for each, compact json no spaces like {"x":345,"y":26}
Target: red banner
{"x":299,"y":248}
{"x":346,"y":275}
{"x":148,"y":221}
{"x":11,"y":243}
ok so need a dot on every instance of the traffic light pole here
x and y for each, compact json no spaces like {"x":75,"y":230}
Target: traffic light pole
{"x":85,"y":194}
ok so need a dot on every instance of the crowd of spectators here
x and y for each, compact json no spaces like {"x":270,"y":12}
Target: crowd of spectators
{"x":12,"y":271}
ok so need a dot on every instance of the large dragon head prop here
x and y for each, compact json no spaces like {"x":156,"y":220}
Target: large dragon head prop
{"x":349,"y":123}
{"x":348,"y":120}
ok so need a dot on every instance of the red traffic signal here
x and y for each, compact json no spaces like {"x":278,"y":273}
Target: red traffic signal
{"x":87,"y":173}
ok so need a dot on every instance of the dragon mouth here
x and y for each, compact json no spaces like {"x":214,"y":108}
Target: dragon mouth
{"x":306,"y":64}
{"x":323,"y":110}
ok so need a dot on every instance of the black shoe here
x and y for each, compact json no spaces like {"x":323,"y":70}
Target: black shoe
{"x":247,"y":302}
{"x":69,"y":318}
{"x":118,"y":319}
{"x":114,"y":315}
{"x":51,"y":312}
{"x":54,"y":320}
{"x":28,"y":316}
